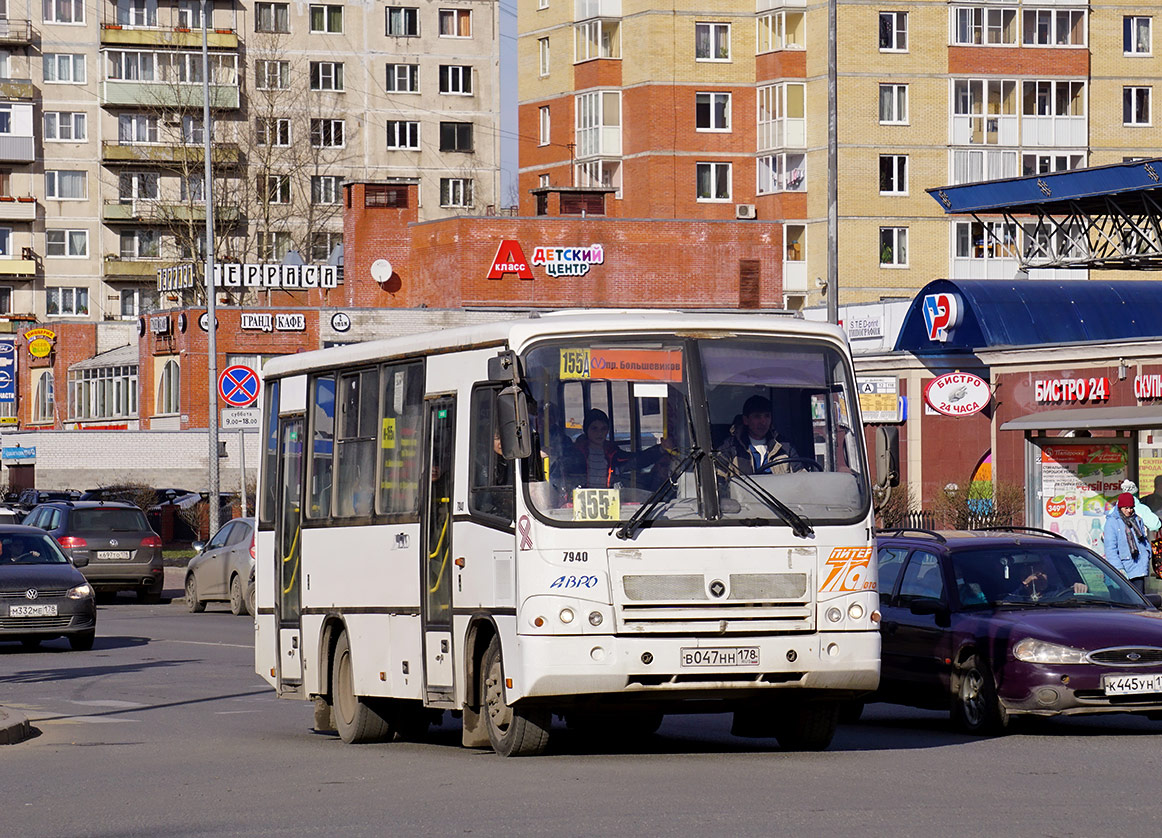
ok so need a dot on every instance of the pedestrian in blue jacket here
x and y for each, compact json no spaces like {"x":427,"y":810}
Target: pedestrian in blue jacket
{"x":1127,"y":544}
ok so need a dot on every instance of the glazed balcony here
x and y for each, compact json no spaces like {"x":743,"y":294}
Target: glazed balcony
{"x":167,"y":95}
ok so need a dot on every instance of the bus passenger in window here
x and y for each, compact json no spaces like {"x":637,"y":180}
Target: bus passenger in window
{"x":599,"y":463}
{"x":753,"y":445}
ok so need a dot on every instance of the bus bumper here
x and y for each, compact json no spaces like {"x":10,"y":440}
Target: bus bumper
{"x":686,"y":667}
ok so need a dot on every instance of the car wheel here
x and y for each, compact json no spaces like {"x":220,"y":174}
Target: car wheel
{"x":250,"y":606}
{"x":514,"y":731}
{"x":237,"y":602}
{"x":149,"y":595}
{"x":975,"y":706}
{"x":806,"y":725}
{"x":193,"y":604}
{"x":357,"y":720}
{"x":82,"y":642}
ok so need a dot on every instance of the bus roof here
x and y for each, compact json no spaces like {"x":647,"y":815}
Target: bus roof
{"x":515,"y":333}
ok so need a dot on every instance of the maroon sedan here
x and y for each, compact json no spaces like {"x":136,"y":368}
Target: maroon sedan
{"x":999,"y":623}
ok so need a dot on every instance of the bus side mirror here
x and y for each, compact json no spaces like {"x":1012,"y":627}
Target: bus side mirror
{"x":504,"y":368}
{"x":512,"y":420}
{"x":887,"y":456}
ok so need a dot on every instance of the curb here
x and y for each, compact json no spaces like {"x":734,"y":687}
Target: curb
{"x":14,"y":727}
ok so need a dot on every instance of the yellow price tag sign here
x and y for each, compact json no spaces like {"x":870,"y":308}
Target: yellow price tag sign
{"x":596,"y":505}
{"x":388,"y":432}
{"x":574,"y":363}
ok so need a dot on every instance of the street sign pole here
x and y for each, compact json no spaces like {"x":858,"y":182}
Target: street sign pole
{"x":242,"y":468}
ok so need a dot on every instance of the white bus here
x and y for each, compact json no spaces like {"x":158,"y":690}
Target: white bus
{"x":545,"y":517}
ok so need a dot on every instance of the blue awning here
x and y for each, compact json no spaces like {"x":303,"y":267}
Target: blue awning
{"x":965,"y":315}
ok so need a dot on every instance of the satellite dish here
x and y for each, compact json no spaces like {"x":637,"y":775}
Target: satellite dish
{"x":381,"y":270}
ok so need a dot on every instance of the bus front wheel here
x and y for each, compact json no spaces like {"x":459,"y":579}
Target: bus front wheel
{"x":513,"y":731}
{"x":355,"y":719}
{"x":807,"y":725}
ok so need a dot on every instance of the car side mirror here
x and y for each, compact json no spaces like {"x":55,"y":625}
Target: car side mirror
{"x":922,"y":606}
{"x":1155,"y":600}
{"x":198,"y":547}
{"x":80,"y":561}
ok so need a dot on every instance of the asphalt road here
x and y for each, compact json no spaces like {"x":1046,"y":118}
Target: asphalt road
{"x":164,"y":729}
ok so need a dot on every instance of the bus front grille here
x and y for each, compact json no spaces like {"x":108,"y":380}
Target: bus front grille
{"x":734,"y":603}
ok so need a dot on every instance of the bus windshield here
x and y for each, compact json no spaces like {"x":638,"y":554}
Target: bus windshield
{"x":620,"y":421}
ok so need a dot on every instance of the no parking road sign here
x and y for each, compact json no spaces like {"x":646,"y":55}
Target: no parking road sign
{"x":238,"y":386}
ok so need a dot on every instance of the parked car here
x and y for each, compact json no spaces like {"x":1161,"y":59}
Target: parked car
{"x":223,"y":569}
{"x":42,"y":595}
{"x":1001,"y":623}
{"x":30,"y":498}
{"x":111,"y":540}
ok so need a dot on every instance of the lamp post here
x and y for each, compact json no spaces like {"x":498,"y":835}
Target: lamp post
{"x":832,"y":165}
{"x":211,"y":314}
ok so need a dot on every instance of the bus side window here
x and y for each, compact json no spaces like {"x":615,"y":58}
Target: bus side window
{"x":490,"y":490}
{"x":400,"y":432}
{"x":358,"y":399}
{"x":321,"y":465}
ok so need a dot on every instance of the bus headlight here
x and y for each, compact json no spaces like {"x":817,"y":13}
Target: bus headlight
{"x":834,"y":614}
{"x":566,"y":615}
{"x":595,"y":618}
{"x":855,"y":611}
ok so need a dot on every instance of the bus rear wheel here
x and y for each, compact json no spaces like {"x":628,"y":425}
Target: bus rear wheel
{"x":356,"y":720}
{"x":514,"y":731}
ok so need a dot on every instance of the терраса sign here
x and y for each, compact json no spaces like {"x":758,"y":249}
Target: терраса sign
{"x":231,"y":275}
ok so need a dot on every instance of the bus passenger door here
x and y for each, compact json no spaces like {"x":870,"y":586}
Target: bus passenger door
{"x":288,"y":550}
{"x":436,"y":555}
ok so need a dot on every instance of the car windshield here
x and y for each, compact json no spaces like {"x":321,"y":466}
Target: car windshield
{"x":616,"y":419}
{"x":20,"y":548}
{"x":1039,"y":575}
{"x":108,"y":520}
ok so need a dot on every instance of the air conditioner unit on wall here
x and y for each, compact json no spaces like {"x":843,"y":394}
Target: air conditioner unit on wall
{"x":744,"y":211}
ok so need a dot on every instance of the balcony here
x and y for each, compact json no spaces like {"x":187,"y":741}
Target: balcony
{"x":113,"y":34}
{"x":16,"y":149}
{"x":168,"y":154}
{"x":15,"y":33}
{"x":166,"y":95}
{"x":17,"y":89}
{"x":17,"y":209}
{"x":140,"y":269}
{"x":116,"y":211}
{"x":17,"y":267}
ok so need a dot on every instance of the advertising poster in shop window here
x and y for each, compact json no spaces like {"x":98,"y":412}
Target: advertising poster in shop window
{"x":1079,"y":484}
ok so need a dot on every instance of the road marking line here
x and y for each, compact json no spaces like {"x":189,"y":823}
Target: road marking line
{"x":204,"y":643}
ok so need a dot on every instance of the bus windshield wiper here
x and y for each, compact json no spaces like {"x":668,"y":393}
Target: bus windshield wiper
{"x":630,"y":527}
{"x":799,"y":525}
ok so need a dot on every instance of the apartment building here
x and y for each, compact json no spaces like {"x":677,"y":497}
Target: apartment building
{"x":102,"y":134}
{"x":719,"y":110}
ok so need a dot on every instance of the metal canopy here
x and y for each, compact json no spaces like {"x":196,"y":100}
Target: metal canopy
{"x":1104,"y":418}
{"x":1105,"y":217}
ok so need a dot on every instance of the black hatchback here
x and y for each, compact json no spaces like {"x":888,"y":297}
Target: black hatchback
{"x":112,"y":541}
{"x":42,"y":595}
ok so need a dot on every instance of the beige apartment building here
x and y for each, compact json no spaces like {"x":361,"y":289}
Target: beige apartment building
{"x":102,"y":134}
{"x":692,"y":109}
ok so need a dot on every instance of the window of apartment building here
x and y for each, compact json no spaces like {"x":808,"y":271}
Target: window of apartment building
{"x":713,"y":181}
{"x":5,"y":119}
{"x":274,"y":189}
{"x":603,"y":173}
{"x":977,"y":26}
{"x":136,"y":301}
{"x":456,"y":78}
{"x":43,"y":405}
{"x":1053,"y":98}
{"x":893,"y":104}
{"x":327,"y":19}
{"x":190,"y":14}
{"x":65,"y":184}
{"x":598,"y":123}
{"x":542,"y":4}
{"x":135,"y":186}
{"x":63,"y":68}
{"x":543,"y":55}
{"x":192,"y":130}
{"x":1053,"y":27}
{"x":193,"y":188}
{"x":127,"y":65}
{"x":455,"y":136}
{"x":272,"y":75}
{"x":712,"y":111}
{"x":975,"y":165}
{"x":1136,"y":35}
{"x":403,"y":78}
{"x":273,"y":132}
{"x":403,"y":21}
{"x":455,"y":192}
{"x":984,"y":111}
{"x":64,"y":11}
{"x":545,"y":125}
{"x":140,"y":244}
{"x":893,"y":31}
{"x":985,"y":240}
{"x":893,"y":174}
{"x":135,"y":12}
{"x":67,"y":243}
{"x":712,"y":41}
{"x":455,"y":23}
{"x":795,"y":243}
{"x":169,"y":388}
{"x":780,"y":30}
{"x":5,"y":300}
{"x":66,"y":302}
{"x":1136,"y":105}
{"x":273,"y":246}
{"x":403,"y":134}
{"x":893,"y":247}
{"x":325,"y":189}
{"x":103,"y":392}
{"x":323,"y":245}
{"x":6,"y":182}
{"x":326,"y":75}
{"x":272,"y":17}
{"x":327,"y":133}
{"x":5,"y":243}
{"x":64,"y":126}
{"x":596,"y":39}
{"x":782,"y":115}
{"x":1044,"y":164}
{"x":384,"y":195}
{"x":782,"y":173}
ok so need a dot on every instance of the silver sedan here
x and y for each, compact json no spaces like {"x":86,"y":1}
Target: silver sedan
{"x":222,"y":568}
